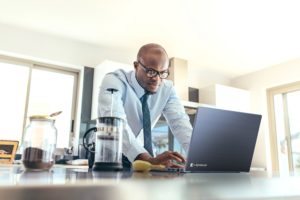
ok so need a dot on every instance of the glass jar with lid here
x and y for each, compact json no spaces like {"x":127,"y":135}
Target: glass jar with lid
{"x":39,"y":143}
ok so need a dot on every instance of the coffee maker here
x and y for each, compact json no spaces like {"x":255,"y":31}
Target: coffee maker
{"x":106,"y":151}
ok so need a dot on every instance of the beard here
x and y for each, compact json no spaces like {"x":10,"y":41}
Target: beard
{"x":149,"y":92}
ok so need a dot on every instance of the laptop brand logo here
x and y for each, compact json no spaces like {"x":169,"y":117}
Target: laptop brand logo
{"x":198,"y":165}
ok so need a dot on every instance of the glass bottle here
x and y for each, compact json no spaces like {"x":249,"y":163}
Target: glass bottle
{"x":39,"y":143}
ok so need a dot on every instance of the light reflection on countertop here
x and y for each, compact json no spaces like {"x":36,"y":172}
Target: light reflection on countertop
{"x":74,"y":183}
{"x":60,"y":174}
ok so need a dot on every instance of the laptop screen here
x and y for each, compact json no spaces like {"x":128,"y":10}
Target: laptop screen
{"x":222,"y":141}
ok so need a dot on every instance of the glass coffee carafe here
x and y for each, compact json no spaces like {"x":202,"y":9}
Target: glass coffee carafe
{"x":107,"y":147}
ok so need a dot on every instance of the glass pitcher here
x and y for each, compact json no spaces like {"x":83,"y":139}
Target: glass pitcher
{"x":108,"y":146}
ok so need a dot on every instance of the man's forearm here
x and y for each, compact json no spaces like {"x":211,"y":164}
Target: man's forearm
{"x":145,"y":157}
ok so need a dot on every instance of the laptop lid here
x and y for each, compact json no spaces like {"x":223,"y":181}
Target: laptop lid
{"x":222,"y":141}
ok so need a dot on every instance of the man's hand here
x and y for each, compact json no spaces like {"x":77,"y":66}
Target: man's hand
{"x":167,"y":158}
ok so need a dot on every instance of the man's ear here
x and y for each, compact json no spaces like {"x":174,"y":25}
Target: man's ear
{"x":135,"y":64}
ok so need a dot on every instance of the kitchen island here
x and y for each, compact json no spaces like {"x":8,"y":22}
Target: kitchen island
{"x":78,"y":183}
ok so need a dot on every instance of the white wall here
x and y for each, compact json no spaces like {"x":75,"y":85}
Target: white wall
{"x":65,"y":50}
{"x":41,"y":46}
{"x":257,"y":83}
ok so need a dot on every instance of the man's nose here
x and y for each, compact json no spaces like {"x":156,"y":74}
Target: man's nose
{"x":156,"y":78}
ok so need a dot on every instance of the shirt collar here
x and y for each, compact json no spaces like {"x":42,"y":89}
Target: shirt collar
{"x":136,"y":86}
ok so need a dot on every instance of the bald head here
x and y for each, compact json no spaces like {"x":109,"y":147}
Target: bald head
{"x":152,"y":53}
{"x":151,"y":58}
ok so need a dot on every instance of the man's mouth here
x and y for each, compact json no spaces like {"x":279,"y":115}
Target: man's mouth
{"x":153,"y":84}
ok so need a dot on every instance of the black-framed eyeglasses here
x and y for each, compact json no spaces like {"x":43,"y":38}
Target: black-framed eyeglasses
{"x":153,"y":73}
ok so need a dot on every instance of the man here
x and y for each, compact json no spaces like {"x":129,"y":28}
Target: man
{"x":142,"y":96}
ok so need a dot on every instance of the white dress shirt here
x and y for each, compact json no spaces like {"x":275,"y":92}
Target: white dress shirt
{"x":127,"y":105}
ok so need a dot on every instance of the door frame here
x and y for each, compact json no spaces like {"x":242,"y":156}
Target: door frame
{"x":271,"y":92}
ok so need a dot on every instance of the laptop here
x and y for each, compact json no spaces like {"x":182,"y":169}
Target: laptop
{"x":222,"y":141}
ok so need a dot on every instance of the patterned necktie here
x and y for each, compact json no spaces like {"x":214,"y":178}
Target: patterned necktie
{"x":147,"y":124}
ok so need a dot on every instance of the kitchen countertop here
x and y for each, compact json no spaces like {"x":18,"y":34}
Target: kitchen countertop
{"x":73,"y":183}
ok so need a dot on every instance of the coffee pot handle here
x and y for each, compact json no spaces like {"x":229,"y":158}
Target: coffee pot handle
{"x":85,"y":145}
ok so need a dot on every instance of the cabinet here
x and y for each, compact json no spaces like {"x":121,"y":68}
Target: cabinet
{"x":226,"y":97}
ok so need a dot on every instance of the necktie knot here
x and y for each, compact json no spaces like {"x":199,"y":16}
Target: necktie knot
{"x":144,"y":98}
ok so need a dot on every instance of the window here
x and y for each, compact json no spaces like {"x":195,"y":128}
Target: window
{"x":285,"y":127}
{"x":13,"y":88}
{"x":52,"y":91}
{"x":29,"y":89}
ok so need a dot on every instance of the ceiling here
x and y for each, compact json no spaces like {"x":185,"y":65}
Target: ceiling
{"x":234,"y":37}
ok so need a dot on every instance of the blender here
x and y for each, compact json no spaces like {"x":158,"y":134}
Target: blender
{"x":107,"y":149}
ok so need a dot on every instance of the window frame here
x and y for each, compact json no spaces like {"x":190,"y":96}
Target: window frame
{"x":271,"y":92}
{"x":76,"y":73}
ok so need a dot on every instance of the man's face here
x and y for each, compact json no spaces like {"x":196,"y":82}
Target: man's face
{"x":154,"y":60}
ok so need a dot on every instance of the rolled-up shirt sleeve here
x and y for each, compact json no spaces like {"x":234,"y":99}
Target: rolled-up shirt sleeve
{"x":178,"y":120}
{"x":131,"y":147}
